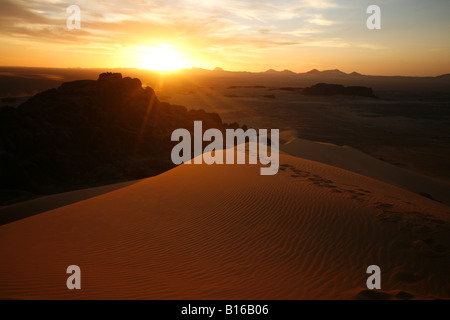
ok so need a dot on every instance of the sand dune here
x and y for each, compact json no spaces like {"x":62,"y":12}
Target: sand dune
{"x":349,"y":158}
{"x":45,"y":203}
{"x":226,"y":232}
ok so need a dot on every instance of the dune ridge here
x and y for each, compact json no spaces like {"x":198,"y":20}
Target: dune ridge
{"x":351,"y":159}
{"x":226,"y":232}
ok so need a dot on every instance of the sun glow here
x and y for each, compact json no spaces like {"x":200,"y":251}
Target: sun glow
{"x":160,"y":59}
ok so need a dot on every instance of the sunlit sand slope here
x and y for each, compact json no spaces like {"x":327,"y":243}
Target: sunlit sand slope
{"x":226,"y":232}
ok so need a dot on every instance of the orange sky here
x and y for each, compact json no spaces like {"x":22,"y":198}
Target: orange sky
{"x":235,"y":35}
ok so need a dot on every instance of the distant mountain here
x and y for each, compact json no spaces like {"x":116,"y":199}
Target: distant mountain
{"x":334,"y":72}
{"x":313,"y":71}
{"x":286,"y":72}
{"x":87,"y":133}
{"x":271,"y":71}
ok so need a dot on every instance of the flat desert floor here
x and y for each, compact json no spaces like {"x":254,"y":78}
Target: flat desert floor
{"x":401,"y":129}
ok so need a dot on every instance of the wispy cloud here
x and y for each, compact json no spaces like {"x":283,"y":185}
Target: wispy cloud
{"x":126,"y":21}
{"x":319,"y":20}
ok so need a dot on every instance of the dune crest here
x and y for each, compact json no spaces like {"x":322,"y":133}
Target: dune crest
{"x":351,"y":159}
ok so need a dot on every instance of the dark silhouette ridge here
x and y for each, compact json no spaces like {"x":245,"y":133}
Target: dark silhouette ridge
{"x":324,"y":89}
{"x":89,"y":133}
{"x":284,"y":72}
{"x":20,"y":82}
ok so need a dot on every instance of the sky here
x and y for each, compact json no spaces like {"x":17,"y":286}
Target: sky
{"x":252,"y":35}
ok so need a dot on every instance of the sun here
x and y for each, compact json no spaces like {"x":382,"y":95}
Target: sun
{"x":160,"y":59}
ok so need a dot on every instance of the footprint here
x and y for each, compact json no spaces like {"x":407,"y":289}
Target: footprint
{"x":430,"y":248}
{"x":390,"y":216}
{"x":384,"y":206}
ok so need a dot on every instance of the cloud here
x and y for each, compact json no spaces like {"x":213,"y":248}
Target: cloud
{"x":371,"y":46}
{"x":229,"y":28}
{"x":12,"y":11}
{"x":328,"y":43}
{"x":319,"y":20}
{"x":322,"y":4}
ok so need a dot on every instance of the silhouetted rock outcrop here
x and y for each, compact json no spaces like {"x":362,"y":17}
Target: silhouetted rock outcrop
{"x":332,"y":73}
{"x":108,"y":76}
{"x":324,"y":89}
{"x":87,"y":133}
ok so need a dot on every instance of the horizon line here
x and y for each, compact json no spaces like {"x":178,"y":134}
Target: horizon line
{"x":219,"y":69}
